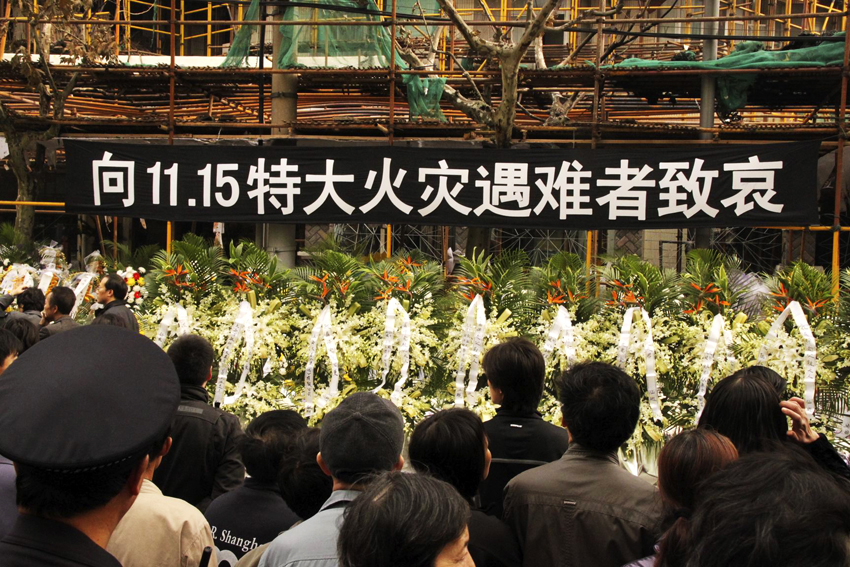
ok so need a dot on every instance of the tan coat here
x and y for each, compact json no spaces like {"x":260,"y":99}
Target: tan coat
{"x":159,"y":531}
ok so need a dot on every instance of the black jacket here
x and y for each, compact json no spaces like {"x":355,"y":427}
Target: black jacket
{"x":518,"y":442}
{"x":248,"y":517}
{"x":38,"y":541}
{"x":119,"y":308}
{"x":204,"y":461}
{"x":65,"y":323}
{"x":491,"y":542}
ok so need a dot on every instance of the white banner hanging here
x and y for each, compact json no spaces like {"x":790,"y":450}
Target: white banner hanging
{"x":80,"y":291}
{"x":323,"y":327}
{"x":243,"y":326}
{"x":174,"y":311}
{"x":844,"y":431}
{"x":648,"y":356}
{"x":471,"y":343}
{"x":717,"y":330}
{"x":561,"y":332}
{"x":810,"y":353}
{"x":393,"y":308}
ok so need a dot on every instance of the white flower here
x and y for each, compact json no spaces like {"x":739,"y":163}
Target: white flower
{"x":141,"y":271}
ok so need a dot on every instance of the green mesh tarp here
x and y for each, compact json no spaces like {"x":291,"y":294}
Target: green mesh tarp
{"x":732,"y":89}
{"x":324,"y":46}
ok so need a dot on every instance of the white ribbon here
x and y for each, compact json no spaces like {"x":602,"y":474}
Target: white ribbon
{"x":174,"y":311}
{"x":471,"y":343}
{"x":714,"y":334}
{"x":323,"y":327}
{"x":810,"y":354}
{"x":17,"y":275}
{"x":393,"y":308}
{"x":844,"y":432}
{"x":81,"y":289}
{"x":47,"y":278}
{"x":562,"y":328}
{"x":648,"y":355}
{"x":243,"y":326}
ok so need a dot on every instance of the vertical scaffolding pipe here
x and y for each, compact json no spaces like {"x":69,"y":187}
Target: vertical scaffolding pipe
{"x":839,"y":169}
{"x":172,"y":25}
{"x":284,"y":87}
{"x":261,"y":80}
{"x":702,"y":236}
{"x":391,"y":126}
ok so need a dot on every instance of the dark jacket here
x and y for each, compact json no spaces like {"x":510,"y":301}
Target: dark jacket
{"x":248,"y":517}
{"x":204,"y":460}
{"x":66,"y":323}
{"x":582,"y":510}
{"x":518,"y":442}
{"x":38,"y":541}
{"x":8,"y":508}
{"x":491,"y":542}
{"x":31,"y":315}
{"x":827,"y":457}
{"x":119,"y":308}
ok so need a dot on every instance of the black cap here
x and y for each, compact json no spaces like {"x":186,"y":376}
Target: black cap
{"x":88,"y":398}
{"x":364,"y":434}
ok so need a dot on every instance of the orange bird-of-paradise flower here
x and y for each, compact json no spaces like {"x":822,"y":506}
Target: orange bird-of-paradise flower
{"x":554,"y":298}
{"x":405,"y":288}
{"x":176,"y":273}
{"x":410,"y":263}
{"x":388,"y":278}
{"x":343,"y":287}
{"x":241,"y":288}
{"x":240,"y":275}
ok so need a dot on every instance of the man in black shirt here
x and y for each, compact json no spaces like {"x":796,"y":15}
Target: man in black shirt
{"x":519,"y":437}
{"x":79,"y":429}
{"x":204,"y":460}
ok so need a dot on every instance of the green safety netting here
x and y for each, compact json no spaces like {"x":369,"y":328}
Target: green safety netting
{"x":360,"y":47}
{"x":732,"y":89}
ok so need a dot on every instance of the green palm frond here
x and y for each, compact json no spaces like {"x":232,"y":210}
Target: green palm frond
{"x":504,"y":282}
{"x":706,"y":283}
{"x":193,"y":266}
{"x":252,"y":268}
{"x":566,"y":280}
{"x":808,"y":285}
{"x":631,"y":281}
{"x":335,"y":274}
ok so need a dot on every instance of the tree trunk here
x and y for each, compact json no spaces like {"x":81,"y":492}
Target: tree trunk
{"x":506,"y":113}
{"x":17,"y":160}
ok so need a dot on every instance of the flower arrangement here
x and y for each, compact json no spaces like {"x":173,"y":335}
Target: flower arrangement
{"x":401,"y":321}
{"x":136,"y":290}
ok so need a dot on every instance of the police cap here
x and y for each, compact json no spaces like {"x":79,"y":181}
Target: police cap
{"x":85,"y":399}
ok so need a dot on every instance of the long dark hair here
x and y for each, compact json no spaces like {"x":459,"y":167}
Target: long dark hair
{"x":745,"y":408}
{"x":685,"y":461}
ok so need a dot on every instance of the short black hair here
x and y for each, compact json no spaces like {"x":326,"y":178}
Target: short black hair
{"x":779,"y":509}
{"x":745,"y":408}
{"x":451,"y":445}
{"x":192,"y":356}
{"x":9,"y":345}
{"x":31,"y":299}
{"x":303,"y":484}
{"x":63,"y":299}
{"x":516,"y":366}
{"x":772,"y":377}
{"x":600,"y":404}
{"x":111,"y":319}
{"x":62,"y":495}
{"x":116,"y":284}
{"x":25,"y":330}
{"x":401,"y":519}
{"x":267,"y":439}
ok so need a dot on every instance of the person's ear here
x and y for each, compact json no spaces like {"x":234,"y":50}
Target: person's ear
{"x":166,"y":447}
{"x":323,"y":465}
{"x":137,"y":476}
{"x":399,"y":464}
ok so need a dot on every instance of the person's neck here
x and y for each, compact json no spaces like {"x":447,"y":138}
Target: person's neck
{"x":340,"y":485}
{"x":97,"y":525}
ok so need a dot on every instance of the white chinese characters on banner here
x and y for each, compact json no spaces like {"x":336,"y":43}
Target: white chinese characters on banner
{"x":516,"y":189}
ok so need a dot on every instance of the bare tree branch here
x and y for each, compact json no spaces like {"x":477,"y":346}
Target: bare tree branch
{"x":471,"y":37}
{"x":593,"y":14}
{"x":537,"y":26}
{"x":466,"y":74}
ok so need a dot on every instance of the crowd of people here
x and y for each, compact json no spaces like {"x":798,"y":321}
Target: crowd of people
{"x":113,"y":455}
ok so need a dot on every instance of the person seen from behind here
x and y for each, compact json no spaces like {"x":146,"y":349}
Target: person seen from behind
{"x":408,"y":520}
{"x":519,"y":437}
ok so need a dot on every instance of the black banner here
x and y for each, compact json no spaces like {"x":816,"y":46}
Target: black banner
{"x":756,"y":185}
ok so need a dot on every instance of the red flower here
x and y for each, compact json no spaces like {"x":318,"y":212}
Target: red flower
{"x":137,"y":275}
{"x":138,"y":294}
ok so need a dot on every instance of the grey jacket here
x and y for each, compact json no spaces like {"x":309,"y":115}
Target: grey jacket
{"x":119,"y":308}
{"x":582,"y":510}
{"x":66,"y":323}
